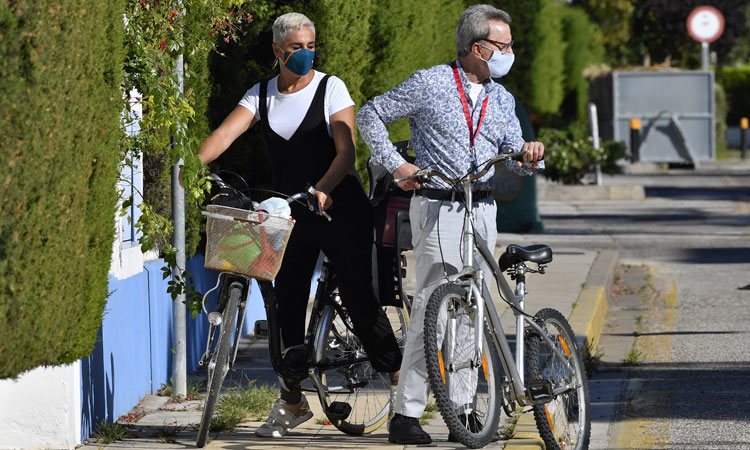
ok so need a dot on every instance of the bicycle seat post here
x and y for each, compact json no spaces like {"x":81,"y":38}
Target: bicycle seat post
{"x":520,"y":277}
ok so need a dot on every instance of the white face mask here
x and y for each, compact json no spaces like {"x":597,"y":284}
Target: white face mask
{"x":500,"y":63}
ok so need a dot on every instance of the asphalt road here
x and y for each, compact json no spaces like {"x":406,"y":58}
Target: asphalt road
{"x":691,"y":385}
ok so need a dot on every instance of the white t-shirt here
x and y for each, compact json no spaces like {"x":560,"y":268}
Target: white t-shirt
{"x":287,"y":111}
{"x":474,"y":90}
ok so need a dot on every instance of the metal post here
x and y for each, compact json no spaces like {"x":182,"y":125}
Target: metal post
{"x":704,"y":56}
{"x":743,"y":137}
{"x":635,"y":139}
{"x":179,"y":333}
{"x":594,"y":125}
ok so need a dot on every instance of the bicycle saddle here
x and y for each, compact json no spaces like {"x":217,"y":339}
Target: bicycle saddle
{"x":536,"y":253}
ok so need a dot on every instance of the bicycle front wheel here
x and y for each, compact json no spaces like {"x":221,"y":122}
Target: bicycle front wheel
{"x":465,"y":384}
{"x":357,"y":397}
{"x":565,"y":422}
{"x":218,"y":364}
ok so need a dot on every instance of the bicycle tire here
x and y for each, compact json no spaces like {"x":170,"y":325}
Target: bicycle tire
{"x":470,"y":408}
{"x":360,"y":386}
{"x":553,"y":419}
{"x":220,"y":362}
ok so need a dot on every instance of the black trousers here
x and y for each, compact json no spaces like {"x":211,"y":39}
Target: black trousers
{"x":347,"y":242}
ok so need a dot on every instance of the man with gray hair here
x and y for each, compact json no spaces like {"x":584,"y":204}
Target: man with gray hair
{"x":459,"y":117}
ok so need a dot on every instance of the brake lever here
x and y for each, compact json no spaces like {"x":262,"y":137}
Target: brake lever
{"x":312,"y":204}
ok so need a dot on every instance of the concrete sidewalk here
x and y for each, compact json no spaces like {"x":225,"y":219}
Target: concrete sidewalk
{"x":576,"y":283}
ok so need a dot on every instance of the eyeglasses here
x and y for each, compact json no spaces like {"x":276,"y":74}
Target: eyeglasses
{"x":502,"y":46}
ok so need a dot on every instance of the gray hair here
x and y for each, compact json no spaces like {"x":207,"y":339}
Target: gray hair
{"x":286,"y":23}
{"x":474,"y":25}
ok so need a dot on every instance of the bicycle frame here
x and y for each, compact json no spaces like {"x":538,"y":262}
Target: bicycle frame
{"x":276,"y":348}
{"x":230,"y":281}
{"x":483,"y":305}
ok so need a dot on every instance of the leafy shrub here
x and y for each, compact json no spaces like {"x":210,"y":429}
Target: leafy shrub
{"x":570,"y":154}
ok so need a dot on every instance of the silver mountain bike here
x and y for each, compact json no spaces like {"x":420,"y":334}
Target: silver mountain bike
{"x":472,"y":370}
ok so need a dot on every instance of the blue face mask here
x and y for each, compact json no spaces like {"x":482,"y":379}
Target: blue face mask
{"x":500,"y":63}
{"x":299,"y":61}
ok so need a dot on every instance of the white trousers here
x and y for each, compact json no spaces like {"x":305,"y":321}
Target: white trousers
{"x":436,"y":228}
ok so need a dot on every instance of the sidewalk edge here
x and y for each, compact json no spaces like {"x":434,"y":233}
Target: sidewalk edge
{"x":587,"y":321}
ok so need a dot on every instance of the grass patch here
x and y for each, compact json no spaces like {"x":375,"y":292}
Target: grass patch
{"x":429,"y":413}
{"x":728,"y":153}
{"x":107,"y":433}
{"x":506,"y":432}
{"x":194,"y":390}
{"x":633,"y":358}
{"x":592,"y":357}
{"x":168,"y":434}
{"x":253,"y":402}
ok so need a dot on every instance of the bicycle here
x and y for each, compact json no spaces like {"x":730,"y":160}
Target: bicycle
{"x":463,"y":334}
{"x":354,"y":397}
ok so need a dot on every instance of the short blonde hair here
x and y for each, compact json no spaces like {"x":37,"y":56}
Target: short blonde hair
{"x":286,"y":23}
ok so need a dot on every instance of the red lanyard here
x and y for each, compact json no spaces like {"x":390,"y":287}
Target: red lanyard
{"x":461,"y":93}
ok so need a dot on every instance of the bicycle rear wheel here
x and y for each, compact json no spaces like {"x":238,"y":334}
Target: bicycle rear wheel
{"x":467,"y":389}
{"x":218,"y":364}
{"x":357,"y":396}
{"x":565,"y":422}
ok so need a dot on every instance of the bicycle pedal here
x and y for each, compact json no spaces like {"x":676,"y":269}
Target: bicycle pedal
{"x":339,"y":411}
{"x":540,"y":391}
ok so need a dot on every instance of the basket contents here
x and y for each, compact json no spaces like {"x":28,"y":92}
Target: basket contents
{"x":247,"y":242}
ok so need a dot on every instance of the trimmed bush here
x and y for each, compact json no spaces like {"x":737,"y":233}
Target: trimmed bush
{"x":60,"y":104}
{"x":736,"y":83}
{"x":582,"y":50}
{"x":613,"y":19}
{"x":537,"y":77}
{"x":721,"y":118}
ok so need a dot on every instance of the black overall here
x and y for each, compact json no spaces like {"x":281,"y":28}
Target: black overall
{"x":346,"y":240}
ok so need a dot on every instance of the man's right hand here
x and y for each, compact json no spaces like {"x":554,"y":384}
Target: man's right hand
{"x":403,"y":171}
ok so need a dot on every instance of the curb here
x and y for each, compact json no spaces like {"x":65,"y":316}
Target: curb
{"x":564,"y":193}
{"x":587,"y":321}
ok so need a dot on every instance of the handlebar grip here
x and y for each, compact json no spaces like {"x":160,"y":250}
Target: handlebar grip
{"x":312,"y":203}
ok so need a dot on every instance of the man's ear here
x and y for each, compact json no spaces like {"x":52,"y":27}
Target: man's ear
{"x":476,"y":50}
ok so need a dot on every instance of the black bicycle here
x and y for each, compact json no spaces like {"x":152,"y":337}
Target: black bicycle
{"x":245,"y":244}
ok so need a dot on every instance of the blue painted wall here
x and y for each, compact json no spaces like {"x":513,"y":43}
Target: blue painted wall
{"x":133,"y":356}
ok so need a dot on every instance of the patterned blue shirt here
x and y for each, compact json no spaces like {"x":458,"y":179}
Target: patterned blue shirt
{"x":439,"y":132}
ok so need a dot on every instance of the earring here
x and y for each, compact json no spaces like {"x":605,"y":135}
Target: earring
{"x":275,"y":63}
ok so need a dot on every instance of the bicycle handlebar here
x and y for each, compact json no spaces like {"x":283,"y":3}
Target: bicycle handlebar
{"x":424,"y":175}
{"x":311,"y":201}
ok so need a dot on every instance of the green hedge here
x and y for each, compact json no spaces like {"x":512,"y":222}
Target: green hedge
{"x":537,"y":77}
{"x":583,"y":49}
{"x":736,"y":83}
{"x":60,"y":106}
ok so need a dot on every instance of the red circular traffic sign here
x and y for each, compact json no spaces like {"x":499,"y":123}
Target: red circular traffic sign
{"x":705,"y":24}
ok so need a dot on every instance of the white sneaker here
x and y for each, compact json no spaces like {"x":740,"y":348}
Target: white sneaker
{"x":283,"y":417}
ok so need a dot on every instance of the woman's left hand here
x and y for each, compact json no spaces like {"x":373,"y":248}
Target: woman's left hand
{"x":324,"y":200}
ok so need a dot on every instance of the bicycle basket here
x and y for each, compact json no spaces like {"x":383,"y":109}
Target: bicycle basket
{"x":245,"y":242}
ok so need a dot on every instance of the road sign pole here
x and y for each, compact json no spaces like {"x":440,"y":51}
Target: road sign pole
{"x":704,"y":56}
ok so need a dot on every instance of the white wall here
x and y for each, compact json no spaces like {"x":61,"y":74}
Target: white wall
{"x":42,"y":409}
